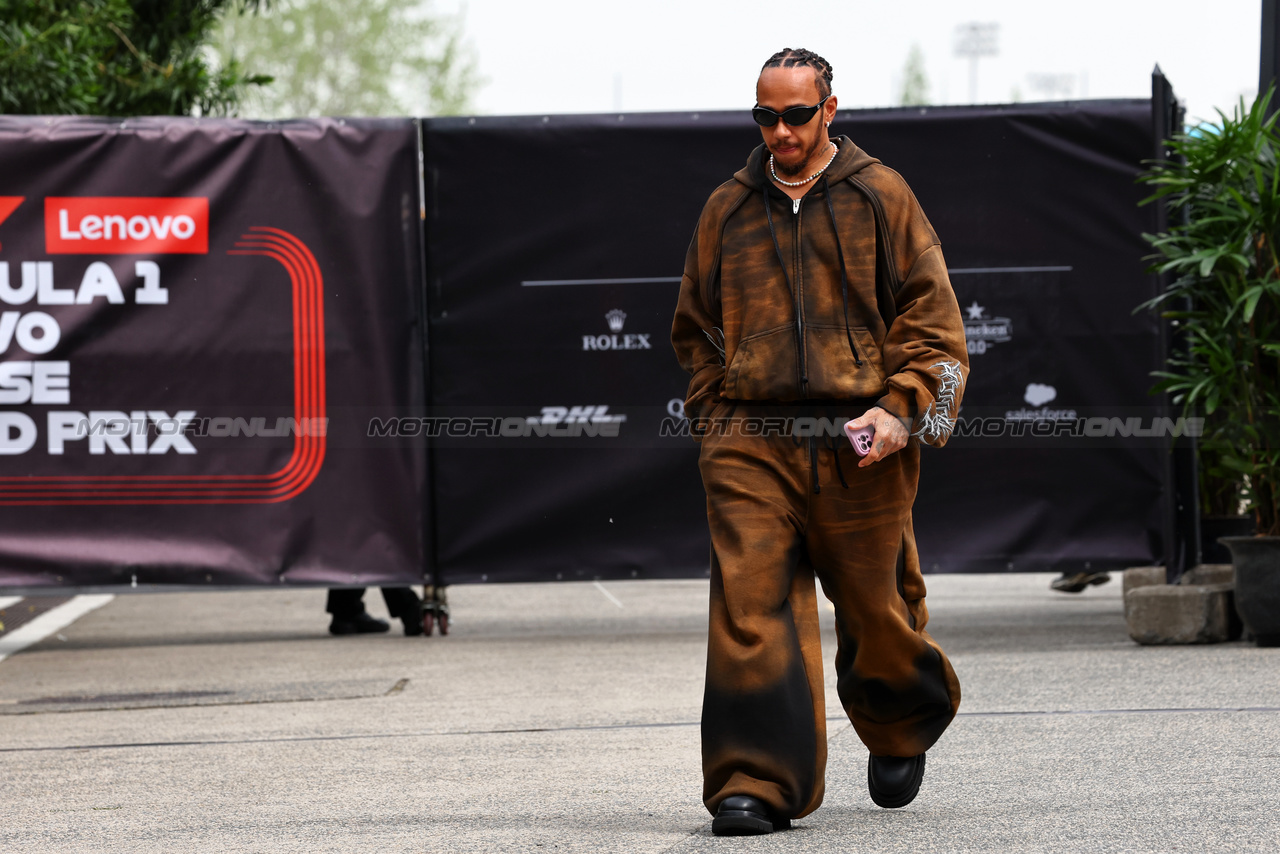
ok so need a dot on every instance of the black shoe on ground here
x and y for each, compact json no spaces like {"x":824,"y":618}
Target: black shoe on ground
{"x":743,"y":815}
{"x":1076,"y":581}
{"x":357,"y":624}
{"x":407,"y":608}
{"x":894,"y":781}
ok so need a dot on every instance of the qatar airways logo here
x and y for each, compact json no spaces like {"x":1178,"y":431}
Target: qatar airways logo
{"x":120,"y":225}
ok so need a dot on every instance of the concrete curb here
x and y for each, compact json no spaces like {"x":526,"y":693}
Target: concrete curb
{"x":1199,"y":609}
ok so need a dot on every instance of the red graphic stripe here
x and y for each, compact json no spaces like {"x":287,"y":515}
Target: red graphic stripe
{"x":303,"y":406}
{"x":306,"y":282}
{"x":309,"y":403}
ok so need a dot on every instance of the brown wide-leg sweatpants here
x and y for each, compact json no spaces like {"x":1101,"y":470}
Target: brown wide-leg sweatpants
{"x":764,"y":712}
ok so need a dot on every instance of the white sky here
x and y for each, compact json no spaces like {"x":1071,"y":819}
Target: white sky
{"x":574,"y":56}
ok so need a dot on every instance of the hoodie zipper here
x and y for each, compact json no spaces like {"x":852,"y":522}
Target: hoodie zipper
{"x":799,"y":291}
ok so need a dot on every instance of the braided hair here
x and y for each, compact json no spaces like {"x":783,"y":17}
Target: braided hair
{"x":791,"y":58}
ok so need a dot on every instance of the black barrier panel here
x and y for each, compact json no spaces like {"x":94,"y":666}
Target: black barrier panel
{"x":555,"y":247}
{"x":199,"y":320}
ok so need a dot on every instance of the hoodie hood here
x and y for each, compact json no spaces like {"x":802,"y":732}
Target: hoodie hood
{"x":849,"y":160}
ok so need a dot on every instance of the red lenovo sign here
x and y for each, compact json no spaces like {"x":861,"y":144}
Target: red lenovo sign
{"x":120,"y":225}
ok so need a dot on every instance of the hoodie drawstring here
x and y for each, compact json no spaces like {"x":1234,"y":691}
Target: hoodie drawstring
{"x":768,"y":213}
{"x":844,"y":279}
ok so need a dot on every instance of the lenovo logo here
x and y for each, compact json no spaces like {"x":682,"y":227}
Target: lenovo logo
{"x":119,"y":225}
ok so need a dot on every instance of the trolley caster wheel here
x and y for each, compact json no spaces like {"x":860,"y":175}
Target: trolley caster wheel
{"x":444,"y":624}
{"x":427,"y":620}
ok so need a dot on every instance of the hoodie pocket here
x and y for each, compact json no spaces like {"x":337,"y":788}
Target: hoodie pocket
{"x":833,"y":373}
{"x":763,"y":367}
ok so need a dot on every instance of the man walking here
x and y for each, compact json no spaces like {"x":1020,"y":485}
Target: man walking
{"x":815,"y":293}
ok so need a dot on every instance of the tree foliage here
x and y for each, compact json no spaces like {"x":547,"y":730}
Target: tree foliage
{"x":1223,"y":189}
{"x":352,"y":57}
{"x":915,"y":84}
{"x":116,"y":58}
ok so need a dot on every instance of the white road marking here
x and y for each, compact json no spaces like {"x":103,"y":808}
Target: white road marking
{"x":50,"y":622}
{"x":607,"y":594}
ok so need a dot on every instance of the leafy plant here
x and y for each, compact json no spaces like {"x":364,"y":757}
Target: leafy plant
{"x":116,"y":58}
{"x":1223,"y":189}
{"x":352,"y":58}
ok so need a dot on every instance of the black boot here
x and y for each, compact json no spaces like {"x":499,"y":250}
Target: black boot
{"x":405,"y":606}
{"x":894,"y":781}
{"x":743,"y":815}
{"x":412,"y":623}
{"x":357,"y":624}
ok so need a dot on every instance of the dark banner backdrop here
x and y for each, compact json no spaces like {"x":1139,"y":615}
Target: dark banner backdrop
{"x":555,"y":246}
{"x":199,"y":320}
{"x":213,"y":368}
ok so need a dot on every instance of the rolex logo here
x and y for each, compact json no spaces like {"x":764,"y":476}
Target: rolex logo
{"x":614,"y":340}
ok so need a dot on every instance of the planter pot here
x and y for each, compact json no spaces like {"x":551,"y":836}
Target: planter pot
{"x":1257,"y":564}
{"x":1212,"y":527}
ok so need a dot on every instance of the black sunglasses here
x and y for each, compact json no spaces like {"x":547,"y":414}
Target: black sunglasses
{"x":794,"y":117}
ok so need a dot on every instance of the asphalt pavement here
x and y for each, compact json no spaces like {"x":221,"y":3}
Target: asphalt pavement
{"x":564,"y":717}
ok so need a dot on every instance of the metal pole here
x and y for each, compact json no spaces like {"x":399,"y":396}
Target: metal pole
{"x":1182,"y":476}
{"x":1269,"y":55}
{"x":976,"y":40}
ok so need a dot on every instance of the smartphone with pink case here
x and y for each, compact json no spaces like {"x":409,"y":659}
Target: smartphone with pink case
{"x":861,"y":438}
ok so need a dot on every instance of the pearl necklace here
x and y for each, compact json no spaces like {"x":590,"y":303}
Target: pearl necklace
{"x":806,"y":180}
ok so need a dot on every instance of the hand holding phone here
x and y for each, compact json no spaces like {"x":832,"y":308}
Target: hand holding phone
{"x":860,"y":437}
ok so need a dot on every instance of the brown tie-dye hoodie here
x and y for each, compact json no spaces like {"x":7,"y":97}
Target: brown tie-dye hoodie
{"x":764,"y":314}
